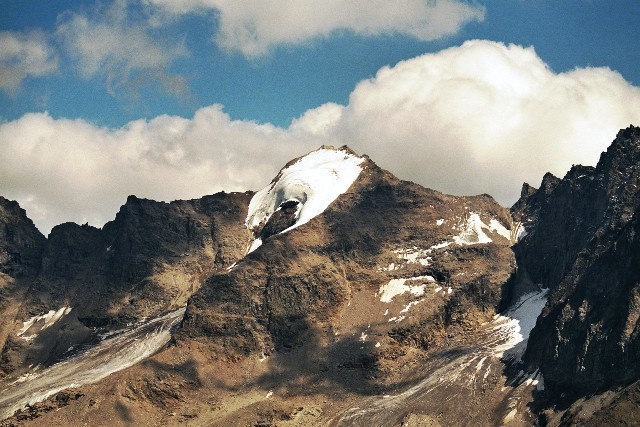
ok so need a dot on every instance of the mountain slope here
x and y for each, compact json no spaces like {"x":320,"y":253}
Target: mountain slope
{"x":306,"y":277}
{"x":353,"y":303}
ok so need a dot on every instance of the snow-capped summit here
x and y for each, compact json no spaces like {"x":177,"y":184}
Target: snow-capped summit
{"x":304,"y":188}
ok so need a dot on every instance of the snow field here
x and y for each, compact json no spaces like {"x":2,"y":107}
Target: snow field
{"x":518,"y":323}
{"x":314,"y":181}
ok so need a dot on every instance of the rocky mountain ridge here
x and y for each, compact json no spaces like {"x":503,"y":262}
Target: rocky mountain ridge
{"x":347,"y":297}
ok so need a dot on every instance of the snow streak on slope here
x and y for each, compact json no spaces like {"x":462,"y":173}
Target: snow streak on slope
{"x":472,"y":232}
{"x":111,"y":355}
{"x":521,"y":319}
{"x":37,"y":323}
{"x":458,"y":374}
{"x":314,"y":182}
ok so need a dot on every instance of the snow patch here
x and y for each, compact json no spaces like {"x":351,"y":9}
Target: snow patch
{"x":480,"y":364}
{"x":518,"y":232}
{"x":518,"y":322}
{"x":397,"y":287}
{"x":390,"y":267}
{"x":411,"y":304}
{"x":439,"y":246}
{"x":496,"y":227}
{"x":472,"y":232}
{"x":414,"y":255}
{"x":314,"y":181}
{"x":39,"y":323}
{"x":254,"y":245}
{"x":428,"y":278}
{"x":510,"y":416}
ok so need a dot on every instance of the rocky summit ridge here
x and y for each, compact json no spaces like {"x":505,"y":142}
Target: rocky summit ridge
{"x":337,"y":295}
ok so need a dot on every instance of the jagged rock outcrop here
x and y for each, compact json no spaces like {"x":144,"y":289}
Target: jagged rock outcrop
{"x":21,"y":248}
{"x":21,"y":244}
{"x":146,"y":261}
{"x":583,"y":243}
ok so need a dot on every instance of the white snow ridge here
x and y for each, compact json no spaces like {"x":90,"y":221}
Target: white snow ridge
{"x":314,"y":181}
{"x":37,"y":323}
{"x":473,"y":231}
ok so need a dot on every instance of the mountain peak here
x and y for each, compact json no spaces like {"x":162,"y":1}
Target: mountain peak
{"x":629,"y":133}
{"x":303,"y":189}
{"x":624,"y":151}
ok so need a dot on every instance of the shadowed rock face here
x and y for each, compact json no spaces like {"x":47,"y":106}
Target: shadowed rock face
{"x":146,"y":261}
{"x":21,"y":244}
{"x":584,"y":244}
{"x":21,"y":248}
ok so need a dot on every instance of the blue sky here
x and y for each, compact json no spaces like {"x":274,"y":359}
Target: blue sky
{"x":119,"y":75}
{"x":283,"y":84}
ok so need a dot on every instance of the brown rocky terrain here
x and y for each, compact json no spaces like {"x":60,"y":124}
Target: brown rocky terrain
{"x":320,"y":281}
{"x":380,"y":310}
{"x":307,"y":310}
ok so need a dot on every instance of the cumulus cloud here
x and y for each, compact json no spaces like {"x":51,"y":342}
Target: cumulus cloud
{"x":23,"y":55}
{"x":482,"y":117}
{"x":254,"y":27}
{"x":122,"y":49}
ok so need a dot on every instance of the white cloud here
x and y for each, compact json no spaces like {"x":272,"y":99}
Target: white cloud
{"x":121,"y":48}
{"x":254,"y":27}
{"x":483,"y":117}
{"x":23,"y":55}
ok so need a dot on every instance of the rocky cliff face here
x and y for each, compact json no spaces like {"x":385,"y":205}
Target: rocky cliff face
{"x":21,"y":248}
{"x":21,"y":244}
{"x":148,"y":260}
{"x":583,"y":244}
